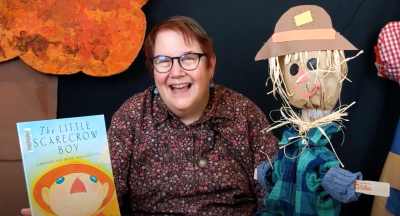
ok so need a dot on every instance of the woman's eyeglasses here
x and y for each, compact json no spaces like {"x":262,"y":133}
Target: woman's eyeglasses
{"x":188,"y":62}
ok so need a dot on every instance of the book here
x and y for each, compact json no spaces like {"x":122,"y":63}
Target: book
{"x":67,"y":167}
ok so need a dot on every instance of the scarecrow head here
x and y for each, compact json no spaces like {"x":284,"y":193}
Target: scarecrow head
{"x":306,"y":58}
{"x":64,"y":188}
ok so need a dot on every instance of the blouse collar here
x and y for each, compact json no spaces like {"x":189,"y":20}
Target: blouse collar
{"x":218,"y":106}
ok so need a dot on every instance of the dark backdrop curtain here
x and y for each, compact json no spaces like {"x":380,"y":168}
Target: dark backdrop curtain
{"x":239,"y":28}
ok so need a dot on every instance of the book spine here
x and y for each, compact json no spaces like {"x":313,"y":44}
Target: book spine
{"x":28,"y":138}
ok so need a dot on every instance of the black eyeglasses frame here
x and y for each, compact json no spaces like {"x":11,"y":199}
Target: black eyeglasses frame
{"x":179,"y":61}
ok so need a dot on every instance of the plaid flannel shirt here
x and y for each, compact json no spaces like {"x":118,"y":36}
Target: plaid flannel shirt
{"x":296,"y":182}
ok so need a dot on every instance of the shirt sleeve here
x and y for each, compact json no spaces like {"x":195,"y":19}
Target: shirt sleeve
{"x":120,"y":139}
{"x":339,"y":183}
{"x":261,"y":142}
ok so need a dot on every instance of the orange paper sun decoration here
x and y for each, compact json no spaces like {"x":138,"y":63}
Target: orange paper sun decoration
{"x":97,"y":37}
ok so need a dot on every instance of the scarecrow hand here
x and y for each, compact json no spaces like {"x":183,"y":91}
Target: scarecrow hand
{"x":264,"y":176}
{"x":339,"y":183}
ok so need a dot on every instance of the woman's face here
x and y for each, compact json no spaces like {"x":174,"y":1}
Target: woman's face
{"x":182,"y":91}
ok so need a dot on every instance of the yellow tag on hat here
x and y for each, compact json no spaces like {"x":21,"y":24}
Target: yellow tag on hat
{"x":303,"y":18}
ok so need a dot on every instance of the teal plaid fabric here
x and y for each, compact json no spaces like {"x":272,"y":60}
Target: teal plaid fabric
{"x":296,"y":182}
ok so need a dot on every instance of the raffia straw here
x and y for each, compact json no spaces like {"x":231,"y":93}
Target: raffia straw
{"x":304,"y":126}
{"x":290,"y":117}
{"x":269,"y":160}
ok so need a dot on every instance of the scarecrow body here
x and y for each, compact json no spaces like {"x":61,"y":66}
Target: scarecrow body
{"x":307,"y":67}
{"x":307,"y":182}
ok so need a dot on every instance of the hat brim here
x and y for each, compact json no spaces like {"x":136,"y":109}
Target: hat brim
{"x":271,"y":49}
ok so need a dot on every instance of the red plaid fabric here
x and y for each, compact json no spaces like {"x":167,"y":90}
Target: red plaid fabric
{"x":388,"y":52}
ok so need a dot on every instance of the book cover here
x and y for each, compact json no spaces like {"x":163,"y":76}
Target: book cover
{"x":67,"y":167}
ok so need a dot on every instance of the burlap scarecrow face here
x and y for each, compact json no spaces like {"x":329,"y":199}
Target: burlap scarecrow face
{"x":309,"y":82}
{"x":306,"y":58}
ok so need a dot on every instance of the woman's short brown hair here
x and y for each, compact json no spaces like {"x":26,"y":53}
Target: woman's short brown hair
{"x":190,"y":30}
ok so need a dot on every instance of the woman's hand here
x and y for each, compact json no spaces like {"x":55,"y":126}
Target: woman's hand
{"x":26,"y":212}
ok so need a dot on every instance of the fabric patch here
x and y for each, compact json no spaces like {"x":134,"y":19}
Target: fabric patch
{"x":393,"y":202}
{"x":303,"y":18}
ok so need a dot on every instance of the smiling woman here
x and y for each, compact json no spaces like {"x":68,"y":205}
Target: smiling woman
{"x":185,"y":84}
{"x":187,"y":146}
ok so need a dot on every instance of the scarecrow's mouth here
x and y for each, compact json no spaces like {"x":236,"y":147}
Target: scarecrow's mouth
{"x":316,"y":86}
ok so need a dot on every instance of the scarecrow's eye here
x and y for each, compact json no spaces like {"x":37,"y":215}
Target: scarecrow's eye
{"x":93,"y":179}
{"x":294,"y":69}
{"x":60,"y":180}
{"x":312,"y":64}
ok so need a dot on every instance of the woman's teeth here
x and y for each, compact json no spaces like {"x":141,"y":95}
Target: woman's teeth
{"x":180,"y":86}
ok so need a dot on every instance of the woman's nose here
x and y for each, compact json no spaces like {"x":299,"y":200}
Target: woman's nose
{"x":176,"y":70}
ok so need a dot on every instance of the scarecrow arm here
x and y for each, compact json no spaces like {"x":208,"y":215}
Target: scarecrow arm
{"x":339,"y":183}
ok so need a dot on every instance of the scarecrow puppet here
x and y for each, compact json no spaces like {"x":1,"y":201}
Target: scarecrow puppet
{"x":307,"y":66}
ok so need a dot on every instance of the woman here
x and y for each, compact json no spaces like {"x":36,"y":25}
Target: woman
{"x":186,"y":146}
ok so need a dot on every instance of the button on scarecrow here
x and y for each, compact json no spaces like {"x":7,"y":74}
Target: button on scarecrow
{"x":307,"y":67}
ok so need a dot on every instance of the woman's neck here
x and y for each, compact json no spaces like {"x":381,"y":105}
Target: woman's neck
{"x":195,"y":112}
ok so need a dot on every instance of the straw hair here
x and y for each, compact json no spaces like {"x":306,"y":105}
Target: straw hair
{"x":336,"y":63}
{"x":334,"y":59}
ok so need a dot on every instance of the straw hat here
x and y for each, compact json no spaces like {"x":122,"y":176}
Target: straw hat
{"x":303,"y":28}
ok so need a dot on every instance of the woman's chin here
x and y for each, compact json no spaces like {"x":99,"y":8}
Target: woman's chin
{"x":182,"y":105}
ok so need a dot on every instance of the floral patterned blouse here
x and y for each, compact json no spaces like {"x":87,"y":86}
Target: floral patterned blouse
{"x":155,"y":156}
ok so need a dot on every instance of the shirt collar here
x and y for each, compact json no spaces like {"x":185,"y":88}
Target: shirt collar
{"x":218,"y":106}
{"x":314,"y":136}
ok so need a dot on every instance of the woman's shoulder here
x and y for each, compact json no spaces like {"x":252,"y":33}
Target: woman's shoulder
{"x":239,"y":103}
{"x":228,"y":93}
{"x":138,"y":103}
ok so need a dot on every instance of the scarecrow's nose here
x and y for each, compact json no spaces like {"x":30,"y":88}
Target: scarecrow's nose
{"x":301,"y":77}
{"x":78,"y":187}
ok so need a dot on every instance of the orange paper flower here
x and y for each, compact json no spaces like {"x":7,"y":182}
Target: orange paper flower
{"x":97,"y":37}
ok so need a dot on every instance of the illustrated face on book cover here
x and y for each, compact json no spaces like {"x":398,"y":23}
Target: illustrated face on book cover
{"x":306,"y":58}
{"x":62,"y":189}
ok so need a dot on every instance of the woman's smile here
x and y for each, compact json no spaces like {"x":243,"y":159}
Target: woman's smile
{"x":180,"y":88}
